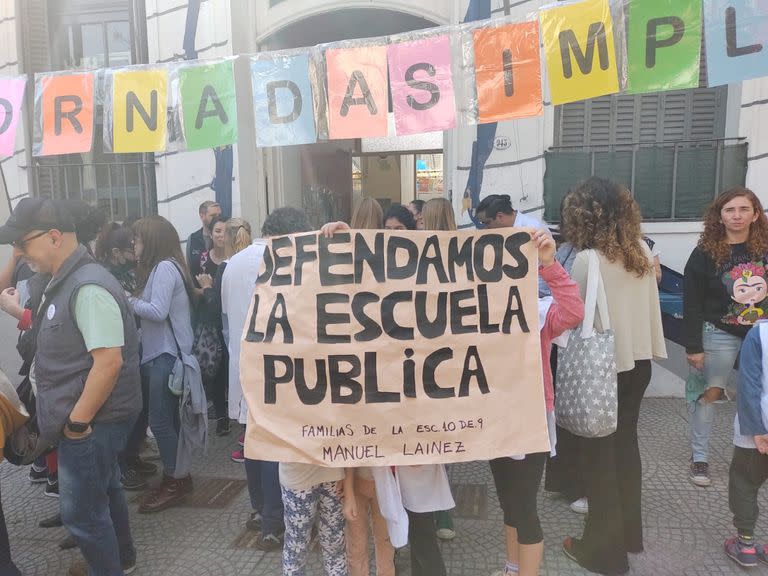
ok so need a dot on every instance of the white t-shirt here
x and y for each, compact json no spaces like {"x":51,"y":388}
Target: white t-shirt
{"x":528,"y":221}
{"x":237,"y":286}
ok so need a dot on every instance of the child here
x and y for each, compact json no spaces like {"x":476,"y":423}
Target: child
{"x":314,"y":493}
{"x":749,"y":466}
{"x":357,"y":529}
{"x":517,"y":478}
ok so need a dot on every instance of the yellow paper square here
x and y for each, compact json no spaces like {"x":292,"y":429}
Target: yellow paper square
{"x":148,"y":87}
{"x":577,"y":22}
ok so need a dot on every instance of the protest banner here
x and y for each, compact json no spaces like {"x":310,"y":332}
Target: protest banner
{"x":208,"y":105}
{"x":508,"y":72}
{"x":736,"y":34}
{"x":377,"y":348}
{"x":11,"y":98}
{"x":422,"y":85}
{"x":282,"y":100}
{"x":140,"y":101}
{"x":64,"y":111}
{"x":664,"y":45}
{"x":357,"y":92}
{"x":579,"y":49}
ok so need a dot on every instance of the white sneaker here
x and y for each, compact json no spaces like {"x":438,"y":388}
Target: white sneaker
{"x":580,"y":506}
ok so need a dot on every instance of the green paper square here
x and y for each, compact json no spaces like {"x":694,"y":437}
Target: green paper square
{"x":207,"y":99}
{"x":673,"y":67}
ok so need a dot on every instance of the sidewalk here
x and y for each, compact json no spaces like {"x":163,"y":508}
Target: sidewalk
{"x":685,"y":526}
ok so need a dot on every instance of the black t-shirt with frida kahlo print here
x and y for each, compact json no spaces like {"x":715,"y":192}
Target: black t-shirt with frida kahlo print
{"x":732,"y":297}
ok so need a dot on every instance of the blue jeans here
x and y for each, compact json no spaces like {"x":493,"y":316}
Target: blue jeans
{"x":720,"y":352}
{"x":93,"y":505}
{"x":266,"y":497}
{"x":163,"y":409}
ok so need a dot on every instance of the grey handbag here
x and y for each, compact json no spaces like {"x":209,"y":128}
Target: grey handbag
{"x":586,"y":402}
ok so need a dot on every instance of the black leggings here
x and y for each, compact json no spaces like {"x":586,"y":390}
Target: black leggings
{"x":517,"y":485}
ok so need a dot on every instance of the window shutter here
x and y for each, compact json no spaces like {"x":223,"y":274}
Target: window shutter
{"x":573,"y":126}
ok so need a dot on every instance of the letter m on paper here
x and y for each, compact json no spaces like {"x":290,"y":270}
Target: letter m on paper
{"x":569,"y":44}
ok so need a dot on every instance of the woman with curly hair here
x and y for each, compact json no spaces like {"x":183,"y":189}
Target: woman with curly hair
{"x":725,"y":293}
{"x":601,"y":215}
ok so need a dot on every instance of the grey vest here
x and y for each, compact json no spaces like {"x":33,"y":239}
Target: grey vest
{"x":62,"y":361}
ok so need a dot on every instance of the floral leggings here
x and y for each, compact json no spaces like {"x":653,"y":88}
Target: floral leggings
{"x":301,"y":511}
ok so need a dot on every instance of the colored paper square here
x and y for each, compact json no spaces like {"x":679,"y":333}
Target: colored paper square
{"x":139,"y":100}
{"x":508,"y":72}
{"x":422,"y":85}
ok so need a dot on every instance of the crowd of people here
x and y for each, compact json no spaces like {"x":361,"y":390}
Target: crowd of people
{"x":122,"y":334}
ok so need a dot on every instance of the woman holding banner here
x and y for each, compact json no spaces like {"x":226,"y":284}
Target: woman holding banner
{"x":601,"y":215}
{"x":517,"y":478}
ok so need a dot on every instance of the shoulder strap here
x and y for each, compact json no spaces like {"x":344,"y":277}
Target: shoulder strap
{"x":168,"y":320}
{"x":595,"y":302}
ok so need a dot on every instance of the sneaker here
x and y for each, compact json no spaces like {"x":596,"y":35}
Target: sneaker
{"x":68,"y":543}
{"x":743,"y":554}
{"x":51,"y":522}
{"x":52,"y":489}
{"x":222,"y":427}
{"x":700,"y":474}
{"x":268,"y":542}
{"x":132,"y":480}
{"x":38,"y":475}
{"x":129,"y":567}
{"x":254,"y":522}
{"x":238,"y":456}
{"x":580,"y":506}
{"x":762,"y":554}
{"x":143,"y":467}
{"x":241,"y":440}
{"x":444,"y":524}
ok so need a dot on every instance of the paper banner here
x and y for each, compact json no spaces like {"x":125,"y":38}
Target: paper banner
{"x":66,"y":113}
{"x":421,"y":79}
{"x":139,"y":100}
{"x":579,"y":48}
{"x":357,"y":92}
{"x":508,"y":72}
{"x":282,"y":101}
{"x":379,"y":348}
{"x":736,"y":33}
{"x":11,"y":98}
{"x":208,"y":104}
{"x":664,"y":45}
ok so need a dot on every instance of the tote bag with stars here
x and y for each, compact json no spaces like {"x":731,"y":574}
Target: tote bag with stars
{"x":586,"y":402}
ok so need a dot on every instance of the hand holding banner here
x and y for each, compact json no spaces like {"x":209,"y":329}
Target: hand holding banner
{"x":390,"y":348}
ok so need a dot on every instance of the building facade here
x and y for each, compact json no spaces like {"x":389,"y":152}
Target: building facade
{"x":675,"y":150}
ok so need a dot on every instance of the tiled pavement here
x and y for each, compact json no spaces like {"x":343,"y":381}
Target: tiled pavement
{"x":684,"y":525}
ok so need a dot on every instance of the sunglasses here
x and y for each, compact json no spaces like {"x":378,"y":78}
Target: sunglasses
{"x":21,"y":243}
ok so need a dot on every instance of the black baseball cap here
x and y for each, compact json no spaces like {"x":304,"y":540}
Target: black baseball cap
{"x":35,"y":214}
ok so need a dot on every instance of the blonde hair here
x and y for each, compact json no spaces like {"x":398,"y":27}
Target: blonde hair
{"x":437,"y":214}
{"x":237,"y":236}
{"x":367,"y":215}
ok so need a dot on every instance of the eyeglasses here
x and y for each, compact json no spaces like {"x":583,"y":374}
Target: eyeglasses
{"x":21,"y":244}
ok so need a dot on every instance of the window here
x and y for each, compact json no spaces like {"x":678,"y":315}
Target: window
{"x":668,"y":148}
{"x":87,"y":34}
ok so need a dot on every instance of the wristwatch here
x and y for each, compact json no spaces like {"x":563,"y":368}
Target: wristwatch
{"x":77,"y":427}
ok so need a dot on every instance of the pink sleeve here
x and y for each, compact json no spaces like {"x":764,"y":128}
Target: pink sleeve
{"x":567,"y":310}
